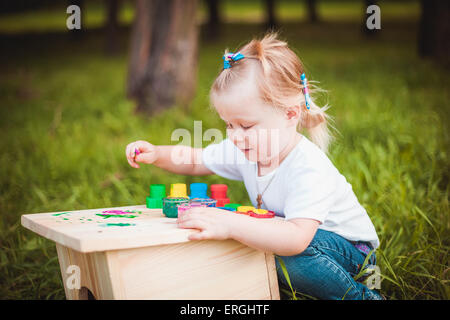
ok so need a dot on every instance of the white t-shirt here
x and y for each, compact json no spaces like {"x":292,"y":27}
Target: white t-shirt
{"x":305,"y":185}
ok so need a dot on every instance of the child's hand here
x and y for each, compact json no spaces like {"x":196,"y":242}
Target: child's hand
{"x":213,"y":223}
{"x":146,"y":153}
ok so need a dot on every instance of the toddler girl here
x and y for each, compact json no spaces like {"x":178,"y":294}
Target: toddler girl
{"x":322,"y":233}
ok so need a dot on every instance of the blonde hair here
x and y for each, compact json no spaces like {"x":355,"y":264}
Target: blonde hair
{"x":278,"y":82}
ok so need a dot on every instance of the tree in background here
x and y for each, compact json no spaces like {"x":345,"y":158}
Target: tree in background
{"x":163,"y":54}
{"x":312,"y":11}
{"x":271,"y":22}
{"x":434,"y":30}
{"x":214,"y":19}
{"x":112,"y":25}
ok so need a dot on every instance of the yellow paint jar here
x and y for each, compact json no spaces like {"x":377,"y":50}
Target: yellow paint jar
{"x":178,"y":190}
{"x":245,"y":209}
{"x":260,"y":211}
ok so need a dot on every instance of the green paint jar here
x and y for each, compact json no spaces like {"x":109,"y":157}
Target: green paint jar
{"x":232,"y":205}
{"x":154,"y":203}
{"x":157,"y":193}
{"x":170,"y":206}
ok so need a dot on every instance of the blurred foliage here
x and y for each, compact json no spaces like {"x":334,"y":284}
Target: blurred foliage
{"x":51,"y":16}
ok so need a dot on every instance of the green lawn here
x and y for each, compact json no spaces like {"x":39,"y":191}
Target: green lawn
{"x":65,"y":122}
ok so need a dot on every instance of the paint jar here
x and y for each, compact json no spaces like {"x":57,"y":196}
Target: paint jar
{"x":233,"y":205}
{"x":170,"y":206}
{"x":197,"y":205}
{"x":157,"y":193}
{"x":261,"y":213}
{"x":198,"y":190}
{"x":186,"y":206}
{"x":178,"y":190}
{"x":244,"y":209}
{"x":219,"y":193}
{"x":206,"y":202}
{"x":227,"y":208}
{"x":183,"y":207}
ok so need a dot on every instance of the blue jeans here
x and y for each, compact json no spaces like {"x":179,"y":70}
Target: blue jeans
{"x":325,"y":270}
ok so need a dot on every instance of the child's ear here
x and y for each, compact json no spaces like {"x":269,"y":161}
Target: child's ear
{"x":293,"y":114}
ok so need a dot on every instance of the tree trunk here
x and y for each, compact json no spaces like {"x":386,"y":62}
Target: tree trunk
{"x":163,"y":55}
{"x":214,"y":19}
{"x":312,"y":11}
{"x":434,"y":30}
{"x":112,"y":26}
{"x":271,"y":22}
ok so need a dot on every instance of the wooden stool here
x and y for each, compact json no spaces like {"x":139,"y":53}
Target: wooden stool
{"x":144,"y":255}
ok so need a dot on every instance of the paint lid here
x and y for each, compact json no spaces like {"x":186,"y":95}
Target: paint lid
{"x":268,"y":214}
{"x":198,"y":190}
{"x":260,"y":211}
{"x":219,"y":191}
{"x":178,"y":190}
{"x":233,"y":205}
{"x":157,"y":191}
{"x":245,"y":209}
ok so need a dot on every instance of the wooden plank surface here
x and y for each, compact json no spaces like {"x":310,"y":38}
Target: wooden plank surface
{"x":88,"y":231}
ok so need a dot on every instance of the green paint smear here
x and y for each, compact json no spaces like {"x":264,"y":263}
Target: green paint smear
{"x":65,"y":219}
{"x":133,"y":211}
{"x":117,"y":225}
{"x":58,"y":214}
{"x":106,"y":216}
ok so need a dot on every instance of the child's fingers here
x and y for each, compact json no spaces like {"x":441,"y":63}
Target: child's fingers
{"x":190,"y":223}
{"x":130,"y":155}
{"x":132,"y":163}
{"x":202,"y":235}
{"x":132,"y":151}
{"x":146,"y":157}
{"x":128,"y":150}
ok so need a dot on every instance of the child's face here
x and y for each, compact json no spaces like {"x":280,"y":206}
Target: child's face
{"x":259,"y":130}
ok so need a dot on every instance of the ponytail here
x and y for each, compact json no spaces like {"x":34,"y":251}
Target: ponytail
{"x":315,"y":121}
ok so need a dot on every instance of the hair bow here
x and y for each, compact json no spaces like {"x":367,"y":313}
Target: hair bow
{"x":227,"y":58}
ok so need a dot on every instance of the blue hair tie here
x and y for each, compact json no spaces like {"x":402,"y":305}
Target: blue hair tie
{"x":227,"y":58}
{"x":305,"y":90}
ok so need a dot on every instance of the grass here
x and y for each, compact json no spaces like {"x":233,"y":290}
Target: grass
{"x":65,"y":122}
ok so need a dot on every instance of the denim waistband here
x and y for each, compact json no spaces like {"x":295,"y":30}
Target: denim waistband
{"x":363,"y":246}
